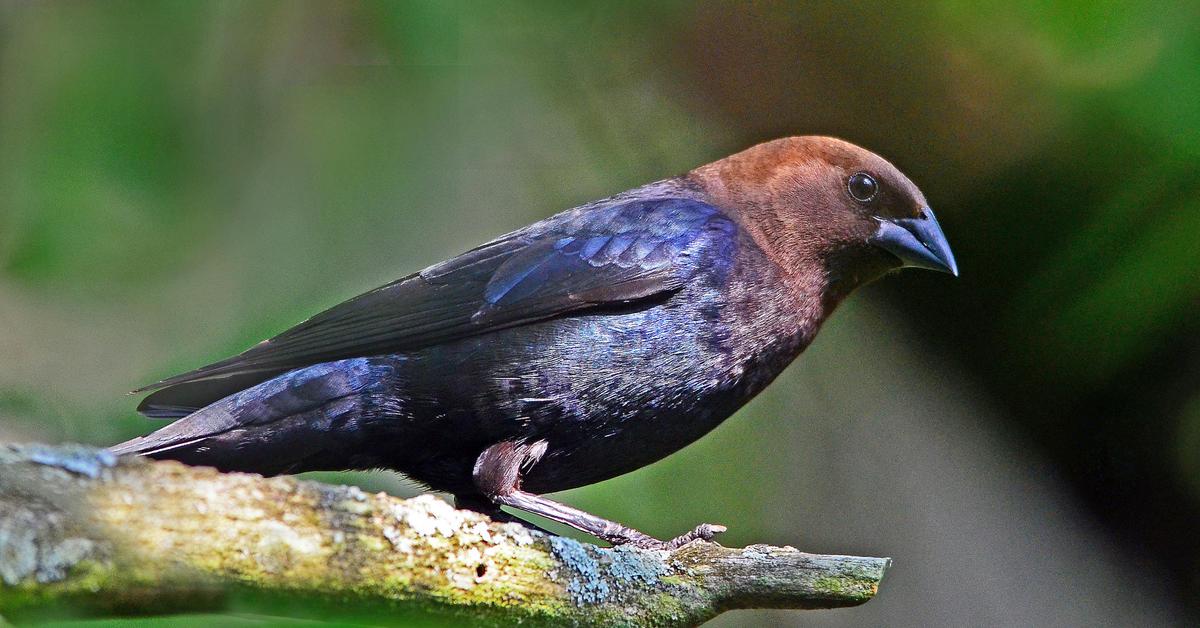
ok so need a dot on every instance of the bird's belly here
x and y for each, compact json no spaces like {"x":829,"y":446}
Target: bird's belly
{"x":649,"y":404}
{"x":608,"y":394}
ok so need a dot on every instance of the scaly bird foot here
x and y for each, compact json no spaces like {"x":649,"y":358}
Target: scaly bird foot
{"x":704,"y":532}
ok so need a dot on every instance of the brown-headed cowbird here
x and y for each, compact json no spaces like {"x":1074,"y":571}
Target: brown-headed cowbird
{"x":573,"y":350}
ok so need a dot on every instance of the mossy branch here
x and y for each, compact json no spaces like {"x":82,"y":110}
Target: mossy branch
{"x":84,"y":533}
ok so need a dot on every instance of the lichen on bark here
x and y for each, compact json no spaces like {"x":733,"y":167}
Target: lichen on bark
{"x":80,"y":530}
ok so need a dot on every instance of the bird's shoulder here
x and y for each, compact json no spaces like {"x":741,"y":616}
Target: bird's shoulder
{"x":605,"y":240}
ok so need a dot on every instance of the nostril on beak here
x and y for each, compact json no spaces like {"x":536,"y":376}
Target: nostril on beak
{"x":917,"y":242}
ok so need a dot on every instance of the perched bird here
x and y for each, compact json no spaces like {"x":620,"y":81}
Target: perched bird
{"x":581,"y":347}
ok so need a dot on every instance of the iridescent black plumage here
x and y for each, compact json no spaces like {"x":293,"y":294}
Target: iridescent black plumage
{"x":581,"y":347}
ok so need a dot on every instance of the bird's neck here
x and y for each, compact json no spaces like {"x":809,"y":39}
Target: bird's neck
{"x":817,"y":264}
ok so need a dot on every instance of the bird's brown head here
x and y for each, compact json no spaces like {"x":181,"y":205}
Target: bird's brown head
{"x":822,"y":204}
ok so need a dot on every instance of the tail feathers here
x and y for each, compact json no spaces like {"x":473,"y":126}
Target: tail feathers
{"x":183,"y":399}
{"x":280,"y":446}
{"x":286,"y":424}
{"x":183,"y":433}
{"x":147,"y":446}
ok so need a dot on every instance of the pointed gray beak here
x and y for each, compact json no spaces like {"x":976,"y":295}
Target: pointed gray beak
{"x":918,"y":242}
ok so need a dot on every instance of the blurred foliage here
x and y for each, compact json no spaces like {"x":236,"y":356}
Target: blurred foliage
{"x":180,"y":179}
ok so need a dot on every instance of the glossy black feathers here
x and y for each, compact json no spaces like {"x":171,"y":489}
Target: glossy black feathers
{"x":587,"y":257}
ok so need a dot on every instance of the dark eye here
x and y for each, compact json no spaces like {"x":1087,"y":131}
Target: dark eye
{"x":862,"y":187}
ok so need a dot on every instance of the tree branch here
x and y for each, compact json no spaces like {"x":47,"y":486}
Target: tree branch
{"x":84,"y":533}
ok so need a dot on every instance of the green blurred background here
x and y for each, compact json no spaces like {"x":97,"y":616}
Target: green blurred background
{"x":179,"y":180}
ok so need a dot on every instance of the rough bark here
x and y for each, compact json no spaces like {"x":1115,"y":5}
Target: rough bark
{"x":83,"y":533}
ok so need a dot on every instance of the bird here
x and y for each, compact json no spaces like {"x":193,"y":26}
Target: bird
{"x":573,"y":350}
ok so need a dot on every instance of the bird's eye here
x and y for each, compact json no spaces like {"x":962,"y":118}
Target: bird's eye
{"x":862,"y":187}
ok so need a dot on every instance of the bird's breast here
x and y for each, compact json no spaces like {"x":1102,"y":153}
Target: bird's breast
{"x":648,"y":383}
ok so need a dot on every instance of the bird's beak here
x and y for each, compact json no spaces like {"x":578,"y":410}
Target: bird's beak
{"x":918,"y":242}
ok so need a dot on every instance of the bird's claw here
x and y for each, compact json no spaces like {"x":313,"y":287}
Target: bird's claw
{"x":703,"y":532}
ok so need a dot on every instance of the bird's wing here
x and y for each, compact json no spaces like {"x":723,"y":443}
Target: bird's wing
{"x":579,"y":259}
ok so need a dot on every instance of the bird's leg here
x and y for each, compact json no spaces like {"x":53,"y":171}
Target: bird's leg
{"x":484,"y":506}
{"x":498,"y":475}
{"x":598,"y":527}
{"x":489,"y":508}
